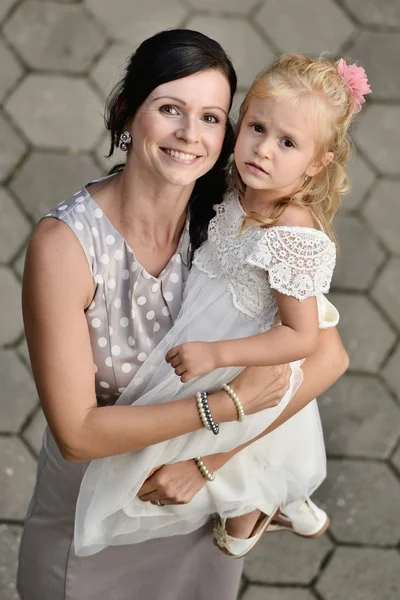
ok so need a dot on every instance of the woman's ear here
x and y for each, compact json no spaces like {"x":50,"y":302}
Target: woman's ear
{"x":316,"y":166}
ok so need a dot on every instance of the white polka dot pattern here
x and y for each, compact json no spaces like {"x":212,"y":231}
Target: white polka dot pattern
{"x":130,"y":307}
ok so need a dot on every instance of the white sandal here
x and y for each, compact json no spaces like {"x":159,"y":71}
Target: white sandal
{"x":304,"y":518}
{"x":239,"y":547}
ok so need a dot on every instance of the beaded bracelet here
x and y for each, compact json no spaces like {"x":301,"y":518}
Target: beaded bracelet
{"x":205,"y":413}
{"x":236,"y":400}
{"x":203,"y":469}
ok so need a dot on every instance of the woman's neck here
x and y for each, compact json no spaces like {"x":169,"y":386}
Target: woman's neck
{"x":146,"y":208}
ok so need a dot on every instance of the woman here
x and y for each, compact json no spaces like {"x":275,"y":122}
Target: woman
{"x":171,"y":110}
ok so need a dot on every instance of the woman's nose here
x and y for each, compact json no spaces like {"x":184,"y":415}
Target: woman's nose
{"x":189,"y":131}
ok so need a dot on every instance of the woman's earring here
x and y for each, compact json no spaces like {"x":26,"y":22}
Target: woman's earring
{"x":125,"y":140}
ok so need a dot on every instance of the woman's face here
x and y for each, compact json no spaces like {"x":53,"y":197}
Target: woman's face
{"x":177,"y":133}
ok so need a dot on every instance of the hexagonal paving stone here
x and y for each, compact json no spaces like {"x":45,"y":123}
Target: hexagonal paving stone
{"x":14,"y":227}
{"x":359,"y":418}
{"x":379,"y":139}
{"x":10,"y":536}
{"x":375,"y":12}
{"x":373,"y":50}
{"x":361,"y":499}
{"x":133,"y":22}
{"x":18,"y":395}
{"x":11,"y":148}
{"x":19,"y":263}
{"x":11,"y":70}
{"x":46,"y":179}
{"x":359,"y":254}
{"x":103,"y":150}
{"x":366,"y":336}
{"x":110,"y":68}
{"x":314,"y":25}
{"x":5,"y":7}
{"x":227,"y":6}
{"x":382,"y":212}
{"x":284,"y":558}
{"x":55,"y":37}
{"x":386,"y":290}
{"x":17,"y":478}
{"x":34,"y":432}
{"x":10,"y":307}
{"x":391,"y":372}
{"x":55,"y":111}
{"x":256,"y":592}
{"x":361,"y":180}
{"x":248,"y":51}
{"x":361,"y":574}
{"x":396,"y":459}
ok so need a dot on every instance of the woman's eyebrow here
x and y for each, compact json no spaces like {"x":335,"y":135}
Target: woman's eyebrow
{"x":185,"y":103}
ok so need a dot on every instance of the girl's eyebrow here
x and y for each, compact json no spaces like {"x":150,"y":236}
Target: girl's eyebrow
{"x":286,"y":132}
{"x":185,"y":103}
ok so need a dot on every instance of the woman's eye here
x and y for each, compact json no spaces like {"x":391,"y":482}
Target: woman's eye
{"x":257,"y":128}
{"x":168,"y":109}
{"x":211,"y":119}
{"x":288,"y":143}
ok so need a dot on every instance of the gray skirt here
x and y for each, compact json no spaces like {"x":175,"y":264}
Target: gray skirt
{"x":187,"y":567}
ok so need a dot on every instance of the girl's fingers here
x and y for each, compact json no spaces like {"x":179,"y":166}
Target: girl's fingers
{"x":171,"y":354}
{"x":180,"y":370}
{"x":175,"y":362}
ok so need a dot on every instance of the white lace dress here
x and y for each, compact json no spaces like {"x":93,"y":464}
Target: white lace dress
{"x":228,"y":294}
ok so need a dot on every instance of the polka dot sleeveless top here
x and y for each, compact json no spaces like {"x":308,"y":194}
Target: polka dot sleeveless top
{"x":131,"y":311}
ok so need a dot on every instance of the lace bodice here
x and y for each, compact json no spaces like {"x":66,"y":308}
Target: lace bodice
{"x":296,"y":261}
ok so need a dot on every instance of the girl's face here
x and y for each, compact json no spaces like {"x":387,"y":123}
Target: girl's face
{"x":275,"y":148}
{"x":178,"y":132}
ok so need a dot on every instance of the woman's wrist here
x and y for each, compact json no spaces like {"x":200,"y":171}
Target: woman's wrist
{"x":222,"y":408}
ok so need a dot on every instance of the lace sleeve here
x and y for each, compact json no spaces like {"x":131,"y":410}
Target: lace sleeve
{"x":299,"y":260}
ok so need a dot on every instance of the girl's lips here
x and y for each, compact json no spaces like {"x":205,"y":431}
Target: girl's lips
{"x":254,"y":168}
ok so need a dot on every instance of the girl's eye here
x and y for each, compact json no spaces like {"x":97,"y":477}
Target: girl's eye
{"x":168,"y":109}
{"x":288,"y":143}
{"x":257,"y":128}
{"x":211,"y":119}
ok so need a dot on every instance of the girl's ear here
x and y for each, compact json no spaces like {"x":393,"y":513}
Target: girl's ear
{"x":315,"y":167}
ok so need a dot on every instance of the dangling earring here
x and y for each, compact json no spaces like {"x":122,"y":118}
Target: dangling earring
{"x":125,"y":140}
{"x":305,"y":177}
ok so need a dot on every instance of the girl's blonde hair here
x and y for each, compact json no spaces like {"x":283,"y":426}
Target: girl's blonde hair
{"x":313,"y":83}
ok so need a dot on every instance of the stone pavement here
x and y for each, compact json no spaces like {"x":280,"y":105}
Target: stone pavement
{"x":58,"y":60}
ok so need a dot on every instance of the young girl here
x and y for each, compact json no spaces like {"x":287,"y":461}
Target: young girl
{"x":270,"y":251}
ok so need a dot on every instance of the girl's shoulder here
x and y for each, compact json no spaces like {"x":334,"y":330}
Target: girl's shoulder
{"x":298,"y":216}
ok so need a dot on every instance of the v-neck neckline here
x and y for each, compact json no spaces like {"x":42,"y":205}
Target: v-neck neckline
{"x":178,"y":250}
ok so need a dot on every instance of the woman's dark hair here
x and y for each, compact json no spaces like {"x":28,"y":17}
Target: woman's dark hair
{"x":167,"y":56}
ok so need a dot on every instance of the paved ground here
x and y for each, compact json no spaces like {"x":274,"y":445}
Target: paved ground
{"x":57,"y":62}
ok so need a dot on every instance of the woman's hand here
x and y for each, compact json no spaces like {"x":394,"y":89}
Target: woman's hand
{"x":261,"y":387}
{"x":176,"y":483}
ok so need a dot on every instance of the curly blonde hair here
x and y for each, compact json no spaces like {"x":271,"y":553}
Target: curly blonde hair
{"x":313,"y":83}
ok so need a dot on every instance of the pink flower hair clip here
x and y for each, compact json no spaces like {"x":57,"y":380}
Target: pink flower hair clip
{"x":356,"y":78}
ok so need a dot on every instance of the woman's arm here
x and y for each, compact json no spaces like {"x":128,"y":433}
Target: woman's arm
{"x":320,"y":370}
{"x":57,"y":289}
{"x":179,"y":482}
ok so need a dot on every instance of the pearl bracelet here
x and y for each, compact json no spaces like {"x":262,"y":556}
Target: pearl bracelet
{"x":236,"y":400}
{"x":203,"y":469}
{"x":205,"y":413}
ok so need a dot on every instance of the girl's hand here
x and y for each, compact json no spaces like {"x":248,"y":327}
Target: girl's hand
{"x":261,"y":387}
{"x":192,"y":359}
{"x":176,"y":483}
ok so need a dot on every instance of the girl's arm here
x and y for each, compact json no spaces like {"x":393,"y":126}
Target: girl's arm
{"x":294,"y":339}
{"x":57,"y":289}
